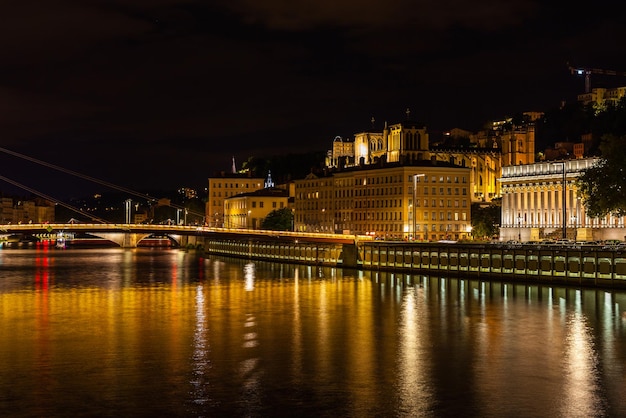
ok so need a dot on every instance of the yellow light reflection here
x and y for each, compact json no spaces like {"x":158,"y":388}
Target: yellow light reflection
{"x":415,"y":392}
{"x":581,"y":391}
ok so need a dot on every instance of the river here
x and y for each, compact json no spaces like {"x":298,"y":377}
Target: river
{"x":166,"y":332}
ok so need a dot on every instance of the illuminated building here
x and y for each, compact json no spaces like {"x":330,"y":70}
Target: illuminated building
{"x":533,"y":207}
{"x":25,"y":211}
{"x":247,"y":210}
{"x":223,"y":186}
{"x":601,"y":97}
{"x":407,"y":142}
{"x":378,"y":200}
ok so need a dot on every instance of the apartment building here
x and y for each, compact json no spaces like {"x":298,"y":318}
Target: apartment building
{"x":428,"y":200}
{"x":247,"y":210}
{"x":223,"y":186}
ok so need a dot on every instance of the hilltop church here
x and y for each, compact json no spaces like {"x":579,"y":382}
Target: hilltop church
{"x":485,"y":153}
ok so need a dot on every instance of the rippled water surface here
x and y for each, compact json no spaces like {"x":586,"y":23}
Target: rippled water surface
{"x":144,"y":332}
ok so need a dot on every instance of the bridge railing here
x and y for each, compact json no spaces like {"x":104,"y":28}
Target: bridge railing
{"x":163,"y":228}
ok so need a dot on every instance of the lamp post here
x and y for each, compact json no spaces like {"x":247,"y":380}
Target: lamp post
{"x":564,"y":198}
{"x":519,"y":227}
{"x":128,"y":210}
{"x":415,"y":176}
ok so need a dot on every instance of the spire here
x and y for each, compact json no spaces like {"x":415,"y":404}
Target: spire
{"x":234,"y":167}
{"x":268,"y":182}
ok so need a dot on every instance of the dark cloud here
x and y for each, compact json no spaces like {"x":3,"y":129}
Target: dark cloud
{"x":187,"y":85}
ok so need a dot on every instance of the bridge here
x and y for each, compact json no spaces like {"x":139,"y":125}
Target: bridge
{"x":129,"y":235}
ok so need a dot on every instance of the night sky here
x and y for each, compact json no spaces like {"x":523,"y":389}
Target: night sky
{"x":157,"y":94}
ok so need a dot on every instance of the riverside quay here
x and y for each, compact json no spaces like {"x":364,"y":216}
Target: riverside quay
{"x":569,"y":264}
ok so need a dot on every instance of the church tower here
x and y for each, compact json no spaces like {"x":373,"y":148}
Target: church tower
{"x":406,"y":141}
{"x":518,"y":146}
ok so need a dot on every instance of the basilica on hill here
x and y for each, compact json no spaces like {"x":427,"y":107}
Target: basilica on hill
{"x":408,"y":142}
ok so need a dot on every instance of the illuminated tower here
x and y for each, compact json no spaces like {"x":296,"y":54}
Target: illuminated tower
{"x":518,"y":146}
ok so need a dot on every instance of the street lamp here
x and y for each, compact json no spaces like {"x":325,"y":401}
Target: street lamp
{"x":519,"y":227}
{"x":564,"y":198}
{"x":415,"y":176}
{"x":128,"y":210}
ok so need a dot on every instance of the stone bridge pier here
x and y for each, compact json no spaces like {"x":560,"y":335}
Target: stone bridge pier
{"x":123,"y":239}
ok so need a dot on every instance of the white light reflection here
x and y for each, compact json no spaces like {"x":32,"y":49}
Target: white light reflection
{"x":249,"y":369}
{"x":200,"y":361}
{"x":415,"y":392}
{"x":249,"y":273}
{"x":581,"y":388}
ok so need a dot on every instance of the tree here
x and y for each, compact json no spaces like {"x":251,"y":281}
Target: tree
{"x":602,"y":186}
{"x":278,"y":220}
{"x":486,"y":219}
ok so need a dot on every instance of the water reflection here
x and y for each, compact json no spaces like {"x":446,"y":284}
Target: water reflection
{"x":414,"y":382}
{"x":200,"y":360}
{"x":582,"y":394}
{"x":170,"y":332}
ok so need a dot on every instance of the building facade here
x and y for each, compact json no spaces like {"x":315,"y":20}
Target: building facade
{"x":408,"y":142}
{"x":601,"y":97}
{"x":26,"y":211}
{"x":224,"y":186}
{"x":541,"y":201}
{"x":247,"y":210}
{"x":426,"y":201}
